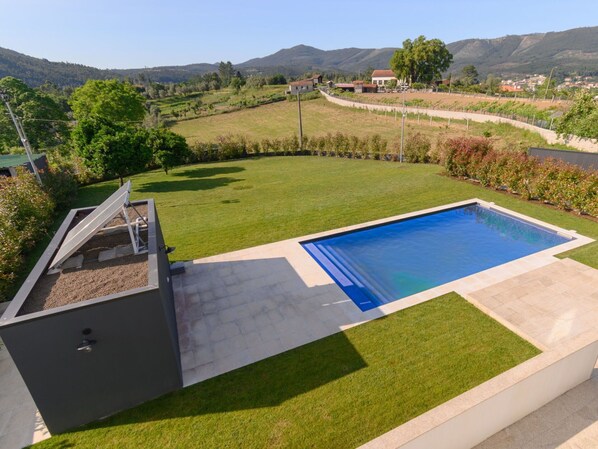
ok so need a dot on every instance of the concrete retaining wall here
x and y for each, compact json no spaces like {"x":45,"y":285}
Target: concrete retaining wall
{"x":550,"y":136}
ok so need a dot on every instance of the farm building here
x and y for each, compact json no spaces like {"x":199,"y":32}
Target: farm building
{"x":300,"y":87}
{"x":383,"y":77}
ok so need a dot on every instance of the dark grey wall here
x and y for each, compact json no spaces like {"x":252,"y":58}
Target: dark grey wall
{"x":588,"y":161}
{"x":136,"y":357}
{"x":132,"y":361}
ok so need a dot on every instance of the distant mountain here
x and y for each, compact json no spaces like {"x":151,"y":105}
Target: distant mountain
{"x":35,"y":71}
{"x":572,"y":50}
{"x":302,"y":58}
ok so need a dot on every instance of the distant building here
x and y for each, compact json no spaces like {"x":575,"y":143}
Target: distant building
{"x":361,"y":88}
{"x":10,"y":162}
{"x":382,"y":77}
{"x":317,"y":79}
{"x":347,"y":87}
{"x":300,"y":87}
{"x":510,"y":88}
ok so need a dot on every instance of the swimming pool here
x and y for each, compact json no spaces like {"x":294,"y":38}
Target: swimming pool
{"x":387,"y":262}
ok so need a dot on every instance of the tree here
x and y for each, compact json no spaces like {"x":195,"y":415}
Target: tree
{"x":492,"y":84}
{"x":111,"y":100}
{"x":111,"y":149}
{"x":168,"y":148}
{"x":277,"y":79}
{"x":256,"y":81}
{"x":421,"y":60}
{"x":43,"y":119}
{"x":469,"y":75}
{"x":236,"y":83}
{"x":581,"y":119}
{"x":226,"y":72}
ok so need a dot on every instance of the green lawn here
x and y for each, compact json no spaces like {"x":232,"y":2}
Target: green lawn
{"x":321,"y":117}
{"x":338,"y":392}
{"x":213,"y":208}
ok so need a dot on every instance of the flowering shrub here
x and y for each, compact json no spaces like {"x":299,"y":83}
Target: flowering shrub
{"x":563,"y":185}
{"x":25,"y":213}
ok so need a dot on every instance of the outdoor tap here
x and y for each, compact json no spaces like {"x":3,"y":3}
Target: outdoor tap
{"x":86,"y":345}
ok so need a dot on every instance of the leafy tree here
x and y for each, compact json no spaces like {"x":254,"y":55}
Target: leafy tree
{"x":236,"y":83}
{"x":277,"y":79}
{"x":111,"y":149}
{"x":421,"y":60}
{"x":582,"y":119}
{"x":111,"y":100}
{"x":256,"y":82}
{"x":469,"y":75}
{"x":492,"y":84}
{"x":168,"y":148}
{"x":43,"y":119}
{"x":226,"y":72}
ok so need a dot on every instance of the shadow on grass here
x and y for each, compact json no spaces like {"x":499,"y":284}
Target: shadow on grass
{"x":200,"y":178}
{"x":190,"y":185}
{"x":266,"y":383}
{"x":207,"y":172}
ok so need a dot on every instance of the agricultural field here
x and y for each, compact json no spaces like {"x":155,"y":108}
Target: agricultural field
{"x":321,"y":117}
{"x":521,"y":108}
{"x":199,"y":104}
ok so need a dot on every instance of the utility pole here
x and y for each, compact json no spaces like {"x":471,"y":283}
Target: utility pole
{"x":22,"y":135}
{"x":300,"y":122}
{"x":402,"y":131}
{"x":548,"y":83}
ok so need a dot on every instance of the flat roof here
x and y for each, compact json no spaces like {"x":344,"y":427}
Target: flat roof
{"x":14,"y":160}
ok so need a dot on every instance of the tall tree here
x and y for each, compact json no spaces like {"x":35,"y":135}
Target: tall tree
{"x":469,"y":75}
{"x":111,"y":149}
{"x":421,"y":60}
{"x":111,"y":100}
{"x":43,"y":119}
{"x":226,"y":71}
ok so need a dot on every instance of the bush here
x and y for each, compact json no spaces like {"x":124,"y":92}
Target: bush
{"x":563,"y":185}
{"x":25,"y":213}
{"x":417,"y":149}
{"x":60,"y":183}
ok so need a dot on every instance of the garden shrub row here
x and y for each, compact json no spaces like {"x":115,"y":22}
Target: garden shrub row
{"x":417,"y":148}
{"x":563,"y":185}
{"x":26,"y":211}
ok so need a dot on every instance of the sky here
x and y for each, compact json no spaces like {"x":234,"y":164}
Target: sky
{"x":135,"y":34}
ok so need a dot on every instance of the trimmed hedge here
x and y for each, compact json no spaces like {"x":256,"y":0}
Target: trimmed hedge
{"x":552,"y":181}
{"x":25,"y":214}
{"x":417,"y":148}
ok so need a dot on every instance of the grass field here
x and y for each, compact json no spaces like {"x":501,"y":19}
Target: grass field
{"x":338,"y":392}
{"x":213,"y":208}
{"x":321,"y":117}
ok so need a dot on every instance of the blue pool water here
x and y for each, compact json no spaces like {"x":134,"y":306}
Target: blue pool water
{"x":381,"y":264}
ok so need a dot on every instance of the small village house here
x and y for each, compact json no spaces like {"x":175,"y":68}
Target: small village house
{"x":300,"y":87}
{"x":382,"y":77}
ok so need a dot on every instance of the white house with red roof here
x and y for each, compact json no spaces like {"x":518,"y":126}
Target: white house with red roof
{"x":382,"y":77}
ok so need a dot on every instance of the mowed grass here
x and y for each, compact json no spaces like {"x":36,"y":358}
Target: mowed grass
{"x":338,"y":392}
{"x":321,"y":117}
{"x":208,"y":209}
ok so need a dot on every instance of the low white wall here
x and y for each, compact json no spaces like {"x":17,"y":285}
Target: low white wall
{"x":474,"y":416}
{"x":550,"y":136}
